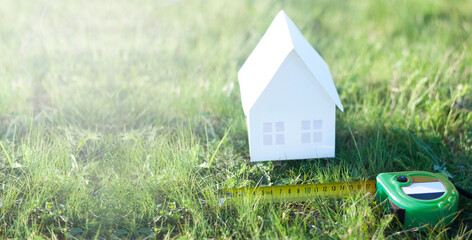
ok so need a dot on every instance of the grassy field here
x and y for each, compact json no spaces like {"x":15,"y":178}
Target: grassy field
{"x":112,"y":112}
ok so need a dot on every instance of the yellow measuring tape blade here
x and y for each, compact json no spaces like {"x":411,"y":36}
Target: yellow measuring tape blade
{"x":304,"y":192}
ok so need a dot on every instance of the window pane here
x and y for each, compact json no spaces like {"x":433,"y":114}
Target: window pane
{"x":279,"y":126}
{"x":305,"y":125}
{"x":306,"y":137}
{"x":267,"y":127}
{"x":279,"y":139}
{"x":267,"y":139}
{"x":317,"y":124}
{"x":317,"y":137}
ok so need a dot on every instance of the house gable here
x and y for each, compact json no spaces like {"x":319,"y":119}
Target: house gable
{"x":281,"y":38}
{"x":293,"y":89}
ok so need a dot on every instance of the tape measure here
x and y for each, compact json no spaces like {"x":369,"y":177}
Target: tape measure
{"x":417,"y":198}
{"x":304,"y":192}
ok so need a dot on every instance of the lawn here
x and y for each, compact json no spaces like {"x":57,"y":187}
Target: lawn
{"x":112,"y":113}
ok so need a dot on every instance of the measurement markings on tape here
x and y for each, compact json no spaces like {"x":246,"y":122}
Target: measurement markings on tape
{"x":303,"y":192}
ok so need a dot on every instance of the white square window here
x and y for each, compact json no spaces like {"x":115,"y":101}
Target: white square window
{"x":306,"y":137}
{"x":267,"y":127}
{"x":279,"y":126}
{"x":306,"y":125}
{"x":310,"y":128}
{"x":267,"y":139}
{"x":317,"y":137}
{"x":279,"y":139}
{"x":273,"y":132}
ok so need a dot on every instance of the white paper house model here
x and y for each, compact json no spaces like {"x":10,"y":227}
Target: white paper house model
{"x":288,"y":97}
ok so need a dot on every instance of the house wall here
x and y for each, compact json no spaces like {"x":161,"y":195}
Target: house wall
{"x":295,"y":98}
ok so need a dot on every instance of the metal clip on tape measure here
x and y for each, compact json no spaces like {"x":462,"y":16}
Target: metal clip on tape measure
{"x":416,"y":197}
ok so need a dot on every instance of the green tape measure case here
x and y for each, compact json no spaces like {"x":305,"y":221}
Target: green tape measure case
{"x":418,"y":197}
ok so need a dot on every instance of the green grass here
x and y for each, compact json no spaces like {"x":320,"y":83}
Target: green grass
{"x":112,"y":114}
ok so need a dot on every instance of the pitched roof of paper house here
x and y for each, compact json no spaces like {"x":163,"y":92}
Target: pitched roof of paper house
{"x":280,"y":39}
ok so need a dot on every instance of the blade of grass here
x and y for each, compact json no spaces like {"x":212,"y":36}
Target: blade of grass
{"x":6,"y":154}
{"x":218,"y":147}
